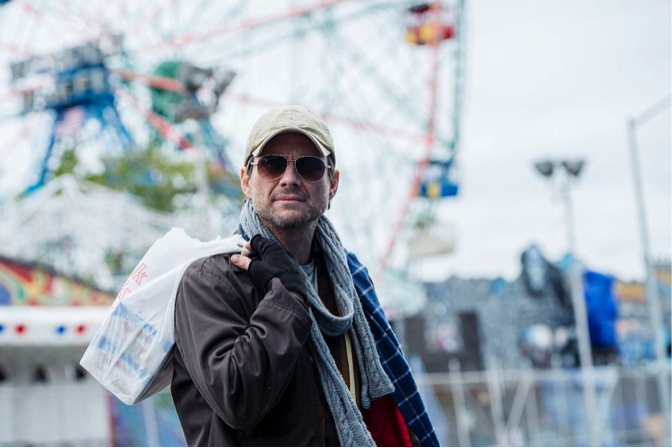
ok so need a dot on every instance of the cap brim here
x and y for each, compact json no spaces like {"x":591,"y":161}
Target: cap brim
{"x":325,"y":152}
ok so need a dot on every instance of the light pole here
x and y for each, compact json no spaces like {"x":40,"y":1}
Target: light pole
{"x":651,"y":293}
{"x":572,"y":170}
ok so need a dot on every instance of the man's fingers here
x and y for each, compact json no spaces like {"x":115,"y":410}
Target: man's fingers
{"x":261,"y":245}
{"x":247,"y":250}
{"x":241,"y":261}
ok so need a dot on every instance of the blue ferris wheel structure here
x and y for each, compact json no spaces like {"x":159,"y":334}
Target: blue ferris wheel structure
{"x":81,"y":91}
{"x":83,"y":87}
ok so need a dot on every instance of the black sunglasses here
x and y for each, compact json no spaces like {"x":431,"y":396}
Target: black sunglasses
{"x":309,"y":168}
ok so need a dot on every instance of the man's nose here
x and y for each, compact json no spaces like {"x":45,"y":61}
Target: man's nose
{"x":290,"y":177}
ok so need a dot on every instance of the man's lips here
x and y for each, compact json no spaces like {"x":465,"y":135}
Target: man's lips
{"x":289,"y":198}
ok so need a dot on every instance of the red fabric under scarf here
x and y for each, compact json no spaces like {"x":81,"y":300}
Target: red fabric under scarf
{"x":386,"y":424}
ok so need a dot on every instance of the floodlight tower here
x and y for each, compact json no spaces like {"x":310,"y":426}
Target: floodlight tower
{"x":572,"y":170}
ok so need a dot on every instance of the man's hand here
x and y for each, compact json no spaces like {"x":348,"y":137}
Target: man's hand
{"x":271,"y":261}
{"x":243,"y":260}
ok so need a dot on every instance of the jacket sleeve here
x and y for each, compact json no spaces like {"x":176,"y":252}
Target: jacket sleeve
{"x":240,"y":367}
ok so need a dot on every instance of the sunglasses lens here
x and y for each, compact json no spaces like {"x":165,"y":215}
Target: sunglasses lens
{"x":310,"y":168}
{"x":271,"y":167}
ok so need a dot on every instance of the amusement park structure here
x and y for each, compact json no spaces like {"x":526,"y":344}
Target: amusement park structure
{"x":100,"y":83}
{"x":81,"y":90}
{"x":115,"y":93}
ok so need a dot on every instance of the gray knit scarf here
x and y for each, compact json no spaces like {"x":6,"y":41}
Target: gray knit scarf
{"x":375,"y":383}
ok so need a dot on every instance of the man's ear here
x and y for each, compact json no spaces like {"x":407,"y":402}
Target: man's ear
{"x":245,"y":183}
{"x":333,"y":184}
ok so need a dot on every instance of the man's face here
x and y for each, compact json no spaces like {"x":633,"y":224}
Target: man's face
{"x":289,"y":201}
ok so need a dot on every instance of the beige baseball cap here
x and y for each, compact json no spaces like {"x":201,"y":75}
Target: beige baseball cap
{"x":289,"y":119}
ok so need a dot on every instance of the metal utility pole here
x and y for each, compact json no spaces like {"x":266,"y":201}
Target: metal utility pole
{"x":573,"y":169}
{"x":652,"y":298}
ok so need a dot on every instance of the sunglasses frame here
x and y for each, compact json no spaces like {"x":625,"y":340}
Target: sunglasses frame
{"x":290,"y":159}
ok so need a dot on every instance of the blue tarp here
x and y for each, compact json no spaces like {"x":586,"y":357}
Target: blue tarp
{"x":601,"y":307}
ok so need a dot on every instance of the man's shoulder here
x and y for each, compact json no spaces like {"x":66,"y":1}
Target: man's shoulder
{"x":214,"y":280}
{"x":212,"y":265}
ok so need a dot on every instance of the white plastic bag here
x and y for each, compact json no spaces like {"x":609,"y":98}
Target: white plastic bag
{"x":131,"y":354}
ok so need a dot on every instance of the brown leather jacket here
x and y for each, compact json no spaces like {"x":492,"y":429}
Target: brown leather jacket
{"x":244,"y":374}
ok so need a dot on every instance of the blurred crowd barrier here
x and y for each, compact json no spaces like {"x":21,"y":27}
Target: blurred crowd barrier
{"x":494,"y":407}
{"x":546,"y":407}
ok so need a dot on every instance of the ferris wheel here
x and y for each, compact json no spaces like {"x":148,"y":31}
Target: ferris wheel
{"x":111,"y":77}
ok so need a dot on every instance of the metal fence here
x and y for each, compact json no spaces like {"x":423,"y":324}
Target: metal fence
{"x":546,"y":407}
{"x":486,"y":408}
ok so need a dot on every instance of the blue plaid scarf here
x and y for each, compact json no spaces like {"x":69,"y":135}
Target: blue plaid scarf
{"x":406,"y":393}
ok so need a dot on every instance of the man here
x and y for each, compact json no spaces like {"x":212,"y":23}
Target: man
{"x":285,"y":344}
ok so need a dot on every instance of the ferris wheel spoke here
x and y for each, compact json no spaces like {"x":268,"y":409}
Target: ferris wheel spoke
{"x":54,"y":33}
{"x":13,"y":141}
{"x":108,"y":11}
{"x":28,"y":34}
{"x":197,"y":14}
{"x":130,"y":15}
{"x":150,"y":33}
{"x":58,"y":16}
{"x":241,"y":45}
{"x":371,"y":165}
{"x":244,"y":49}
{"x":243,"y":25}
{"x":414,"y":78}
{"x":361,"y":122}
{"x":76,"y":13}
{"x":332,"y":64}
{"x":95,"y":9}
{"x":360,"y":125}
{"x":373,"y":128}
{"x":404,"y":103}
{"x":96,"y":15}
{"x":20,"y":37}
{"x":101,"y":28}
{"x":73,"y":19}
{"x":122,"y":15}
{"x":5,"y":14}
{"x":196,"y":17}
{"x":14,"y":50}
{"x":160,"y":82}
{"x":16,"y":143}
{"x":169,"y":132}
{"x":152,"y":19}
{"x":385,"y":52}
{"x":8,"y":94}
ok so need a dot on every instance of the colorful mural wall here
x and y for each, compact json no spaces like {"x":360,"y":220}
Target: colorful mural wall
{"x":636,"y":291}
{"x":27,"y":284}
{"x":663,"y":270}
{"x":635,"y":334}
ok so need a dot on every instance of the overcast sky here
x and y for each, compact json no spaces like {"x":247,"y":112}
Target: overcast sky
{"x":558,"y":79}
{"x":544,"y":79}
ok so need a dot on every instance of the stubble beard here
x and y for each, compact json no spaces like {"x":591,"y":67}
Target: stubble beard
{"x":293,"y":222}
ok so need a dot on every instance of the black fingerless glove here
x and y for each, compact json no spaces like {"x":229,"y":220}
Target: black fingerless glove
{"x":274,"y":261}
